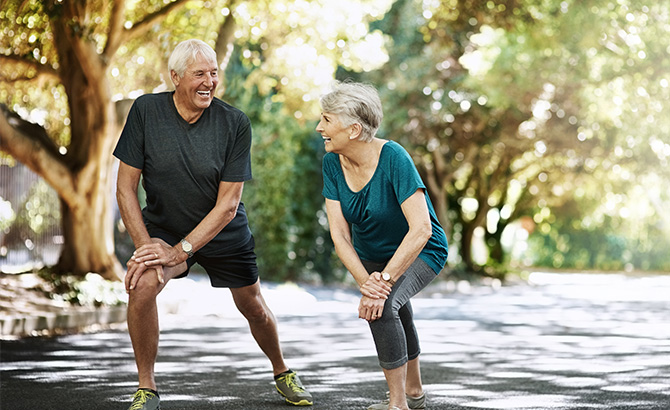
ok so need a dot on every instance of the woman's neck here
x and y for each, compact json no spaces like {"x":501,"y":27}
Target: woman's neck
{"x":363,"y":154}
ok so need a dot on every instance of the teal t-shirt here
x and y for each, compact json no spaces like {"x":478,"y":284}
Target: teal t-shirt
{"x":378,"y":224}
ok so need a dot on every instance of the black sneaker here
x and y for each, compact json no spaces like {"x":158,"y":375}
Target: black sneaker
{"x":145,"y":399}
{"x":288,"y":385}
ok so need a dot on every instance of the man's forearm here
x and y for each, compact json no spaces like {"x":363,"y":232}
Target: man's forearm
{"x":131,"y":214}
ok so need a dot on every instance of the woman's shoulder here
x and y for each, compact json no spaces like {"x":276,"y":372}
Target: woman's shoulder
{"x":331,"y":159}
{"x":393,"y":150}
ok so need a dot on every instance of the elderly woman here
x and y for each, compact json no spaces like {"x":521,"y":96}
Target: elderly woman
{"x":384,"y":229}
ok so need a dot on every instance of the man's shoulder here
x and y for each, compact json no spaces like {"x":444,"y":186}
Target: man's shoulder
{"x":162,"y":96}
{"x":222,"y":106}
{"x":152,"y":100}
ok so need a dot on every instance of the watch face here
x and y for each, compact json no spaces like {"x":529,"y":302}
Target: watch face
{"x":186,"y":246}
{"x":386,"y":276}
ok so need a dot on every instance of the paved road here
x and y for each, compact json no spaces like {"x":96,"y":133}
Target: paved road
{"x":566,"y":342}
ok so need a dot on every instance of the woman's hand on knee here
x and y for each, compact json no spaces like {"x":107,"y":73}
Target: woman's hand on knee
{"x":375,"y":287}
{"x":370,"y":309}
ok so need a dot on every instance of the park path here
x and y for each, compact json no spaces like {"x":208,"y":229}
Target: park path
{"x":563,"y":341}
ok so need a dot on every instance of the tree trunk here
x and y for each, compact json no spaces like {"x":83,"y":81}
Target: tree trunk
{"x":87,"y":218}
{"x":89,"y":236}
{"x":466,"y":246}
{"x":494,"y":245}
{"x":82,"y":176}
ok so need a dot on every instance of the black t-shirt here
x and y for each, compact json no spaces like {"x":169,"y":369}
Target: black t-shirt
{"x":182,"y":165}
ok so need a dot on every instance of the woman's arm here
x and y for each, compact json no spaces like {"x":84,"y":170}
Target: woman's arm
{"x":341,"y":235}
{"x":415,"y":209}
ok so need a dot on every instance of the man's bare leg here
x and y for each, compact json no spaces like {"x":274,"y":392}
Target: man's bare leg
{"x":142,"y":319}
{"x":262,"y":323}
{"x":143,"y":327}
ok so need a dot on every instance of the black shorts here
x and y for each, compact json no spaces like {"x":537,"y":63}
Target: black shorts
{"x":233,"y":270}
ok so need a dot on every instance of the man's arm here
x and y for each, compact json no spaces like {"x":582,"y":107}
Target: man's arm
{"x":225,"y":209}
{"x":129,"y":205}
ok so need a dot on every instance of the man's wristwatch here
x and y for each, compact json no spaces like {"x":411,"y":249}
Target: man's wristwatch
{"x":187,"y":247}
{"x":386,"y":277}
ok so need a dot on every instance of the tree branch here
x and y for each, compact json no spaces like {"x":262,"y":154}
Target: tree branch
{"x":30,"y":144}
{"x":40,"y":69}
{"x":119,"y":35}
{"x":114,"y":37}
{"x":225,"y":38}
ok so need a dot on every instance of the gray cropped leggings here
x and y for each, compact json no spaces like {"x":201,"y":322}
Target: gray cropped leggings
{"x":394,"y":333}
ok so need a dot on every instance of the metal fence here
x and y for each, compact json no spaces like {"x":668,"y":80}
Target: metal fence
{"x":30,"y":229}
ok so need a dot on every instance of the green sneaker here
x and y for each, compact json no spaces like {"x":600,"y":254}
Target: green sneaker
{"x":412,"y":402}
{"x":145,"y":399}
{"x":288,"y":385}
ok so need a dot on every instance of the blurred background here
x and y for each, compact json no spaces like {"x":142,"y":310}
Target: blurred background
{"x":540,"y":128}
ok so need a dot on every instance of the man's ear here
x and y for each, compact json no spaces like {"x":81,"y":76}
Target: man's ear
{"x":355,"y":131}
{"x":175,"y":77}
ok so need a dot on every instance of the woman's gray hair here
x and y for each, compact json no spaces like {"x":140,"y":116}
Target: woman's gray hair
{"x":355,"y":103}
{"x":186,"y":53}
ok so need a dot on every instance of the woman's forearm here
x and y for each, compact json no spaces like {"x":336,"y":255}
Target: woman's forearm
{"x":409,"y":249}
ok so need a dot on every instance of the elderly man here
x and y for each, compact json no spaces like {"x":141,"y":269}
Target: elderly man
{"x":193,"y":152}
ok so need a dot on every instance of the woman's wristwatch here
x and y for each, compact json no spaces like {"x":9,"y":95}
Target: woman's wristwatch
{"x":386,"y":277}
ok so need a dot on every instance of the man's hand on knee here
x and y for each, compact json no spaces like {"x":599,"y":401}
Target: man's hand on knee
{"x":136,"y":270}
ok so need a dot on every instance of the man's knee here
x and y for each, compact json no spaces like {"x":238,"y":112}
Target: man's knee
{"x":146,"y":288}
{"x":253,"y":308}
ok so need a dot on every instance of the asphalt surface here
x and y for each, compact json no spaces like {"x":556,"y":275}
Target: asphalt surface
{"x":565,"y":342}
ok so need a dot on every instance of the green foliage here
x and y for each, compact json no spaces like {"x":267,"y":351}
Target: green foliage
{"x":283,"y":201}
{"x":571,"y":246}
{"x":38,"y":213}
{"x":91,"y":290}
{"x":550,"y":110}
{"x":513,"y":109}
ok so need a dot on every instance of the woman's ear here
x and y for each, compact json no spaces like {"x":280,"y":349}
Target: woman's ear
{"x":355,"y":131}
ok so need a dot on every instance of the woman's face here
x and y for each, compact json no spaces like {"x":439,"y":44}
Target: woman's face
{"x":335,"y":136}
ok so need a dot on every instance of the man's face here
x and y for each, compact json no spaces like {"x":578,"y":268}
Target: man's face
{"x":196,"y":88}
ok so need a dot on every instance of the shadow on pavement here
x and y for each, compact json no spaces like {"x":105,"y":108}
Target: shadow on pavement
{"x":581,"y":342}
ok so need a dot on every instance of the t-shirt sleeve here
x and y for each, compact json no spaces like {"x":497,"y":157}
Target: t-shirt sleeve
{"x":130,"y":148}
{"x":238,"y":165}
{"x":404,"y":175}
{"x":329,"y":172}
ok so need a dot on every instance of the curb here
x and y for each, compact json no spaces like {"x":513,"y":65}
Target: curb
{"x":25,"y":325}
